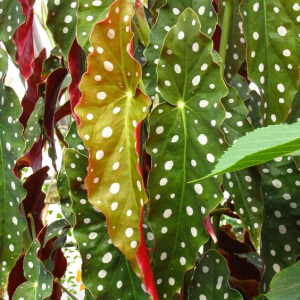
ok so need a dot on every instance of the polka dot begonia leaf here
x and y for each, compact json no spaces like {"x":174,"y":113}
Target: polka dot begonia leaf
{"x":280,"y":233}
{"x":74,"y":140}
{"x":39,"y":282}
{"x":244,"y":185}
{"x":105,"y":270}
{"x":62,"y":21}
{"x":110,"y":109}
{"x":157,"y":4}
{"x":272,"y":34}
{"x":241,"y":85}
{"x":185,"y":141}
{"x":168,"y":16}
{"x":236,"y":50}
{"x":11,"y":191}
{"x":89,"y":13}
{"x":11,"y":17}
{"x":54,"y":229}
{"x":210,"y":279}
{"x":253,"y":105}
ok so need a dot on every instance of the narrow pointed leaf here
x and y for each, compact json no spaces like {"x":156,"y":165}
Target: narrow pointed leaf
{"x":236,"y":51}
{"x":241,"y":85}
{"x":110,"y":108}
{"x":210,"y":280}
{"x":62,"y":22}
{"x":39,"y":282}
{"x":273,"y":26}
{"x":253,"y":105}
{"x":280,"y":233}
{"x":184,"y":140}
{"x":89,"y":13}
{"x":168,"y":16}
{"x":259,"y":146}
{"x":285,"y":285}
{"x":11,"y":191}
{"x":105,"y":270}
{"x":74,"y":140}
{"x":244,"y":186}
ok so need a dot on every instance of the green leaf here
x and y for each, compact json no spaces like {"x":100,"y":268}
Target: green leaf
{"x":105,"y":270}
{"x":236,"y":50}
{"x":185,"y":140}
{"x":253,"y":258}
{"x":74,"y":140}
{"x":12,"y":224}
{"x":210,"y":279}
{"x":53,"y":62}
{"x":244,"y":186}
{"x":168,"y":16}
{"x":285,"y":284}
{"x":54,"y":228}
{"x":61,"y":21}
{"x":39,"y":282}
{"x":253,"y":105}
{"x":11,"y":17}
{"x":33,"y":129}
{"x":241,"y":85}
{"x":259,"y":146}
{"x":272,"y":26}
{"x":110,"y":108}
{"x":280,"y":233}
{"x":89,"y":13}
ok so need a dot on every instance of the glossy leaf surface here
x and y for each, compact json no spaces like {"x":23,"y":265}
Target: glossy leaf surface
{"x":105,"y":270}
{"x":110,"y":108}
{"x":185,"y":140}
{"x":168,"y":16}
{"x":39,"y":282}
{"x":259,"y":146}
{"x":210,"y":279}
{"x":273,"y":27}
{"x":11,"y":191}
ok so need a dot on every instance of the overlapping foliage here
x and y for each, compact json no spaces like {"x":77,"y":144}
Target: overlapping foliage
{"x":166,"y":148}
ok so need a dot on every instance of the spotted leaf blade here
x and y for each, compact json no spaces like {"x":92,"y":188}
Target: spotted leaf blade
{"x":185,"y":140}
{"x":244,"y":186}
{"x":273,"y":26}
{"x":236,"y":51}
{"x":110,"y":108}
{"x":280,"y":233}
{"x":168,"y":16}
{"x":102,"y":261}
{"x":259,"y":146}
{"x":210,"y":280}
{"x":11,"y":191}
{"x":39,"y":282}
{"x":89,"y":13}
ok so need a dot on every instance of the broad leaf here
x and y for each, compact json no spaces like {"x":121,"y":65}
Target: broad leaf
{"x":280,"y":233}
{"x":184,"y":142}
{"x":62,"y":22}
{"x":210,"y":280}
{"x":39,"y":281}
{"x":259,"y":146}
{"x":272,"y":26}
{"x":110,"y":108}
{"x":89,"y":13}
{"x":236,"y":50}
{"x":285,"y":285}
{"x":105,"y":270}
{"x":244,"y":185}
{"x":168,"y":16}
{"x":11,"y":191}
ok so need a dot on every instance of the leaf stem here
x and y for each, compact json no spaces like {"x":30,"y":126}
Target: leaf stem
{"x":216,"y":224}
{"x":64,"y":289}
{"x":30,"y":217}
{"x":225,"y":30}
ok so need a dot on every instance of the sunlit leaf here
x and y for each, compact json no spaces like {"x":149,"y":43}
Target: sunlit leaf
{"x":210,"y":280}
{"x":168,"y":16}
{"x":271,"y":26}
{"x":11,"y":191}
{"x":185,"y":141}
{"x":106,"y":271}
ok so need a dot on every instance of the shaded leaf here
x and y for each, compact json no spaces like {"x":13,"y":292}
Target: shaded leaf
{"x":11,"y":191}
{"x":74,"y":140}
{"x":184,"y":141}
{"x":105,"y":270}
{"x":253,"y":258}
{"x":210,"y":279}
{"x":110,"y":108}
{"x":241,"y":85}
{"x":168,"y":16}
{"x":271,"y":25}
{"x":253,"y":105}
{"x":259,"y":146}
